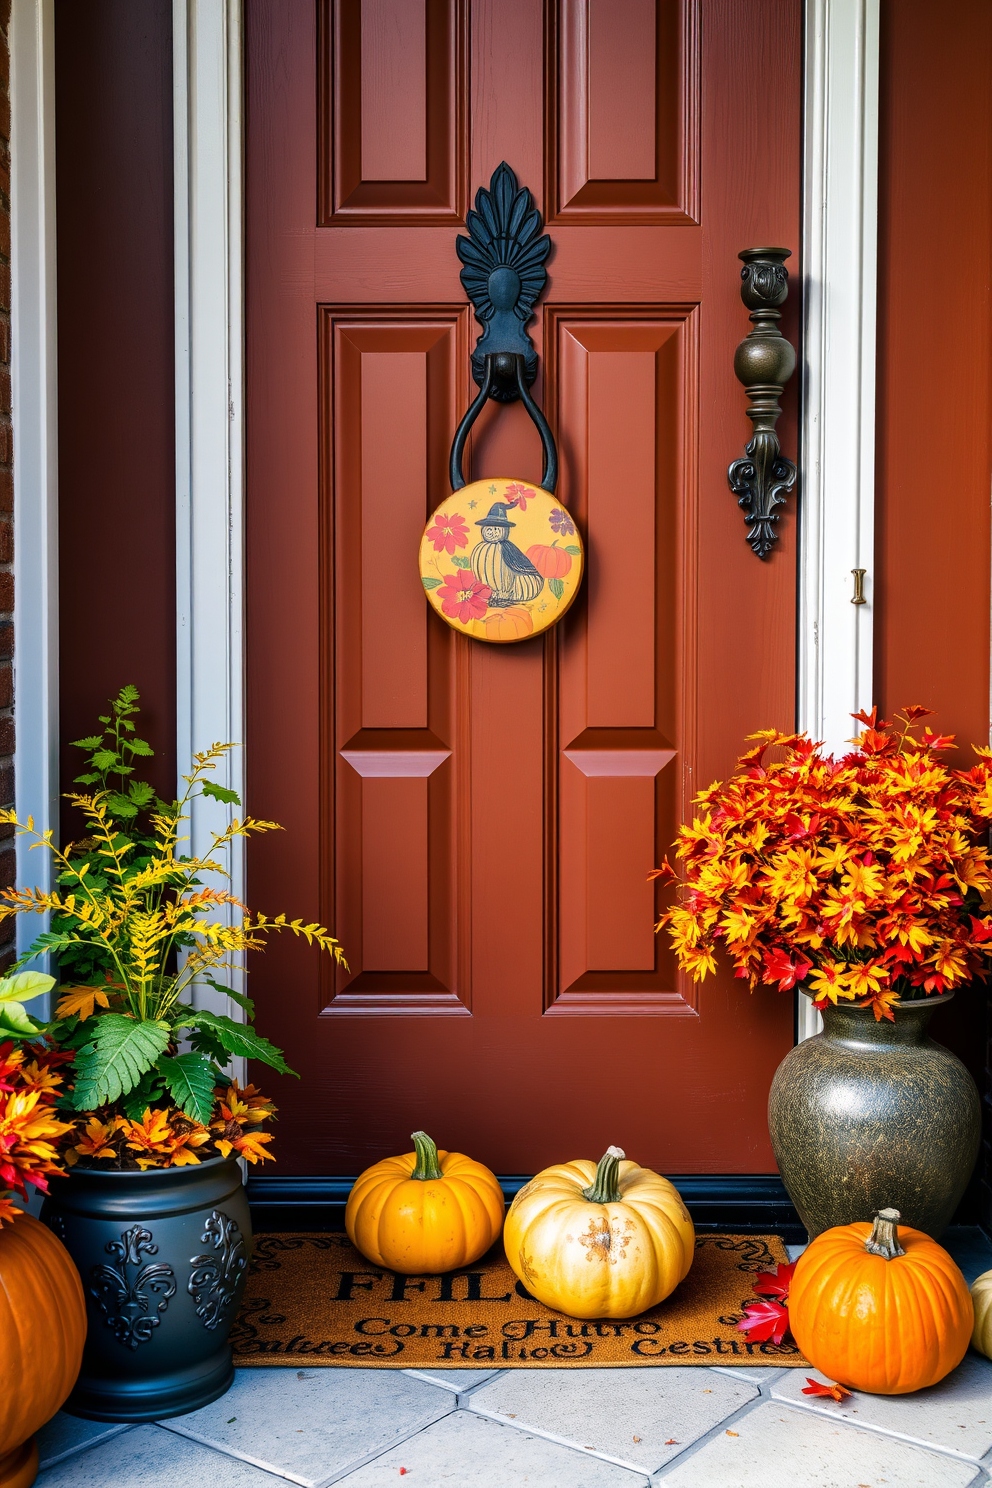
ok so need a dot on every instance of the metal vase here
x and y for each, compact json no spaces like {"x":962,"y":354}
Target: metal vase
{"x":163,"y":1257}
{"x":872,"y":1115}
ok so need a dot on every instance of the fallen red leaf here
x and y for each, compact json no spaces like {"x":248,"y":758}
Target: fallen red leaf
{"x":817,"y":1387}
{"x":775,"y":1283}
{"x":763,"y":1320}
{"x":673,"y":1441}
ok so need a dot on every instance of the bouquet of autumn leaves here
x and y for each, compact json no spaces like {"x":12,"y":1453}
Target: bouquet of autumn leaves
{"x":864,"y":878}
{"x":132,"y":918}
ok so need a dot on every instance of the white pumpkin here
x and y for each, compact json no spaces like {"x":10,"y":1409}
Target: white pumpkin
{"x":981,"y":1295}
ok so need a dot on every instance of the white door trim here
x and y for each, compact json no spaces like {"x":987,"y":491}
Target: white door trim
{"x":837,"y":480}
{"x":35,"y":433}
{"x":209,"y":194}
{"x":838,"y":425}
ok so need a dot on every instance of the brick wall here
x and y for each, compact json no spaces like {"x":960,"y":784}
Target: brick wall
{"x":6,"y":492}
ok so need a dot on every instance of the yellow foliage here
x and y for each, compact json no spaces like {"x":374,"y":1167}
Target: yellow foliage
{"x":79,"y":1002}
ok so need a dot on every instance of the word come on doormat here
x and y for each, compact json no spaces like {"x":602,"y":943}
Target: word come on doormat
{"x":313,"y":1299}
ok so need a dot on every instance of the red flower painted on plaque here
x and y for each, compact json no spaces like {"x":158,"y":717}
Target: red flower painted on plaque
{"x":517,"y":495}
{"x":463,"y":597}
{"x":448,"y":533}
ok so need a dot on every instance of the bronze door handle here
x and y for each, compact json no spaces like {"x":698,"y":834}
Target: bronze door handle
{"x":763,"y":362}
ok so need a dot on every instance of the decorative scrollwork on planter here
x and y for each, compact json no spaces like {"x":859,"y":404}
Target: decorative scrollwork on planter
{"x":214,"y":1278}
{"x":123,"y":1296}
{"x":503,"y":275}
{"x":763,"y":362}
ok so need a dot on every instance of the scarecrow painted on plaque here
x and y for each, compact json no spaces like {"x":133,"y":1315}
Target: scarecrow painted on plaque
{"x":499,"y":563}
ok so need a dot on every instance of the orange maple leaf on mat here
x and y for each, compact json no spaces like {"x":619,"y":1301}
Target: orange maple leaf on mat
{"x":817,"y":1387}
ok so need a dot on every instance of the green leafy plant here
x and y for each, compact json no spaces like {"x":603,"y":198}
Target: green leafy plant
{"x":138,"y":919}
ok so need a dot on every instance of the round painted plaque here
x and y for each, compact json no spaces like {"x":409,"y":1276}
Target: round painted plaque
{"x":501,"y":560}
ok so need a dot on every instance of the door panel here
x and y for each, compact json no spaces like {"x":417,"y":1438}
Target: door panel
{"x":623,"y":108}
{"x":390,"y":778}
{"x":393,"y":102}
{"x":621,"y":389}
{"x":478,"y":822}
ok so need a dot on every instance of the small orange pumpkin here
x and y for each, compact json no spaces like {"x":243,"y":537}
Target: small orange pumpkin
{"x":427,"y":1211}
{"x":879,"y":1308}
{"x":43,"y":1327}
{"x":511,"y":624}
{"x":553,"y":562}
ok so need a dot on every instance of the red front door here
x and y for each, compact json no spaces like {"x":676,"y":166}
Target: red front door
{"x":477,"y":822}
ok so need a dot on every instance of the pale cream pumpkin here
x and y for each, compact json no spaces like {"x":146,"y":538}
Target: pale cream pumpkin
{"x":981,"y":1296}
{"x":599,"y":1241}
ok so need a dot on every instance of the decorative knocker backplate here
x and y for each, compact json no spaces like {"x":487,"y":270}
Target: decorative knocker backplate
{"x":763,"y":362}
{"x":501,"y":559}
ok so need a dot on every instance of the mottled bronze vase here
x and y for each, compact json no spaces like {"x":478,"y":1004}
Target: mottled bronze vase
{"x":872,"y":1115}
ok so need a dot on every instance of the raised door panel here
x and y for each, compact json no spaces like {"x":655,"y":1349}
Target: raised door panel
{"x":392,"y":145}
{"x":625,"y":662}
{"x":393,"y":767}
{"x":623,"y":119}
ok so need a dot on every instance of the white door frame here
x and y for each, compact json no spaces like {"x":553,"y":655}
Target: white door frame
{"x":35,"y":431}
{"x":837,"y":481}
{"x":838,"y":387}
{"x":210,"y":559}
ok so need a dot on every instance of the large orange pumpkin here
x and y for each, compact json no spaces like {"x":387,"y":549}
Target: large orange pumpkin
{"x":553,"y":563}
{"x":511,"y":624}
{"x":427,"y":1211}
{"x":43,"y":1328}
{"x":880,"y":1308}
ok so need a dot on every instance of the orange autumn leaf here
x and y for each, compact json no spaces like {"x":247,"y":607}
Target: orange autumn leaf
{"x":80,"y":1002}
{"x":864,"y":877}
{"x":816,"y":1387}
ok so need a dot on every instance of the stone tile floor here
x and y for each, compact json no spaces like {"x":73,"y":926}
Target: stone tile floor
{"x":721,"y":1427}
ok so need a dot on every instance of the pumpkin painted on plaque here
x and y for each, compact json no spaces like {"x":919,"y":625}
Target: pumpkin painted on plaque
{"x":501,"y":560}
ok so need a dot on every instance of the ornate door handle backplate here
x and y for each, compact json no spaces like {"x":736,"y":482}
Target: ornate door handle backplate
{"x":763,"y":362}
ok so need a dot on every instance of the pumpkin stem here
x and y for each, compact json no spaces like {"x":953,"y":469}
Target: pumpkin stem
{"x":606,"y":1185}
{"x":884,"y":1237}
{"x":428,"y":1167}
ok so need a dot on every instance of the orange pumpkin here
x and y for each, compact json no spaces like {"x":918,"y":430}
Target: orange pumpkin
{"x":511,"y":624}
{"x":426,"y":1211}
{"x":880,"y":1308}
{"x":43,"y":1327}
{"x":553,"y":563}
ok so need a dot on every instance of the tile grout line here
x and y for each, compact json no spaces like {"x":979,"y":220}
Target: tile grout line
{"x":562,"y":1441}
{"x":691,"y":1448}
{"x":353,"y":1467}
{"x":117,"y":1429}
{"x":982,"y":1476}
{"x":284,"y":1475}
{"x":893,"y":1435}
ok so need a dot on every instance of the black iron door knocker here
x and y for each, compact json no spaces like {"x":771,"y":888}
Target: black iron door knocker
{"x":502,"y":559}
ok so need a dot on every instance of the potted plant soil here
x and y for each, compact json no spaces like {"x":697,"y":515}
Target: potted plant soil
{"x":152,"y":1208}
{"x":866,"y":882}
{"x":42,"y":1312}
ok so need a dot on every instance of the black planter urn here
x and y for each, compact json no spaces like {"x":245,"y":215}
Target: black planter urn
{"x":163,"y":1255}
{"x":874,"y":1115}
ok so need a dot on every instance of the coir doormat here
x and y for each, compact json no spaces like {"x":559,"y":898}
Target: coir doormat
{"x":313,"y":1299}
